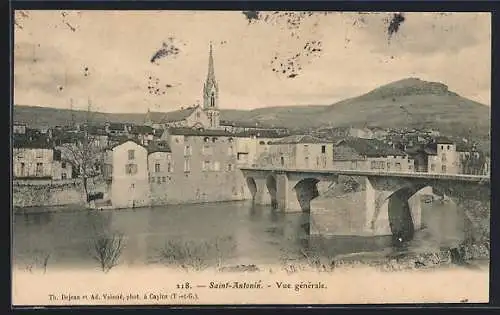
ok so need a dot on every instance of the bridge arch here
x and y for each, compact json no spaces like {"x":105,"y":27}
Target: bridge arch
{"x":272,"y":187}
{"x":404,"y":219}
{"x":305,"y":191}
{"x":252,"y":186}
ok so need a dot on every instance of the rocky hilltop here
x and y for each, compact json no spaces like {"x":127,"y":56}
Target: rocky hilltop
{"x":409,"y":102}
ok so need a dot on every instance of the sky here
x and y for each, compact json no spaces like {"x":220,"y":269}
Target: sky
{"x":105,"y":58}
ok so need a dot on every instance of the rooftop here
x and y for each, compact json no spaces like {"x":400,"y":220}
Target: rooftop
{"x":159,"y":146}
{"x":299,"y":139}
{"x":371,"y":147}
{"x":176,"y":115}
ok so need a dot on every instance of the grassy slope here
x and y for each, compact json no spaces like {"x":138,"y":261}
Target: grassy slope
{"x":429,"y":104}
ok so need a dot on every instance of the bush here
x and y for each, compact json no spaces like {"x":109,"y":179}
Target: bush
{"x":197,"y":255}
{"x":107,"y":249}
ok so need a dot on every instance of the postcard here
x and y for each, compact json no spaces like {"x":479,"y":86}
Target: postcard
{"x":250,"y":157}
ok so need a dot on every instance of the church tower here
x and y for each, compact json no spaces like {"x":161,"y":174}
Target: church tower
{"x":211,"y":94}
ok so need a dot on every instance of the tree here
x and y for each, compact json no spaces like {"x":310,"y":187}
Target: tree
{"x":84,"y":152}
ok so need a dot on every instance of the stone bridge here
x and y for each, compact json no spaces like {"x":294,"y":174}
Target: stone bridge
{"x":387,"y":198}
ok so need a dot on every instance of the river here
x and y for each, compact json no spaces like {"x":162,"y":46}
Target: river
{"x":254,"y":234}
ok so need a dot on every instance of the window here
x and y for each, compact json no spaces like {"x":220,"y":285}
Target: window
{"x":447,"y":147}
{"x":187,"y":165}
{"x":158,"y":180}
{"x":64,"y":176}
{"x":442,"y":147}
{"x":388,"y":165}
{"x":206,"y":139}
{"x":377,"y":164}
{"x":63,"y":164}
{"x":131,"y":154}
{"x":39,"y":169}
{"x":132,"y":186}
{"x":443,"y":158}
{"x":169,"y":167}
{"x":157,"y":167}
{"x":216,"y":166}
{"x":398,"y":166}
{"x":214,"y":139}
{"x":410,"y":167}
{"x":433,"y":167}
{"x":206,"y":165}
{"x":130,"y":169}
{"x":230,"y":140}
{"x":206,"y":149}
{"x":323,"y":149}
{"x":306,"y":149}
{"x":164,"y":179}
{"x":443,"y":168}
{"x":262,"y":143}
{"x":212,"y":100}
{"x":187,"y":150}
{"x":230,"y":167}
{"x":23,"y":169}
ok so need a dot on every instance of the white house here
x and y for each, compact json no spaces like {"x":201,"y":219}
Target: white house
{"x":444,"y":157}
{"x":126,"y":169}
{"x":32,"y":160}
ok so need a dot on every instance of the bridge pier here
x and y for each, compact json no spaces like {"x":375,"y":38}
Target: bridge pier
{"x":286,"y":194}
{"x":262,"y":196}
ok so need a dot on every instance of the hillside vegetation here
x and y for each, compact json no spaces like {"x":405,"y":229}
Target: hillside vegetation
{"x":405,"y":103}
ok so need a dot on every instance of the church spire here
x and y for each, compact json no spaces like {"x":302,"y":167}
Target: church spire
{"x":211,"y":71}
{"x":211,"y":93}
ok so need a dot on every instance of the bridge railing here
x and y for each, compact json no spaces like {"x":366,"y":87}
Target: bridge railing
{"x":431,"y":175}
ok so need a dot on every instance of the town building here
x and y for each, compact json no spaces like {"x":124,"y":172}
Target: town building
{"x":471,"y":160}
{"x":370,"y":155}
{"x":117,"y":129}
{"x":203,"y":162}
{"x":19,"y":128}
{"x":32,"y":159}
{"x":61,"y":168}
{"x":143,"y":134}
{"x":248,"y":126}
{"x":191,"y":117}
{"x":127,"y":175}
{"x":252,"y":145}
{"x":160,"y":170}
{"x":443,"y":156}
{"x":299,"y":152}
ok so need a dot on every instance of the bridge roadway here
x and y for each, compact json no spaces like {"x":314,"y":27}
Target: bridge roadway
{"x":423,"y":175}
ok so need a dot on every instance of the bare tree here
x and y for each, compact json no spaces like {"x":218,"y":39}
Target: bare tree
{"x":84,"y":151}
{"x":40,"y":259}
{"x":107,"y":249}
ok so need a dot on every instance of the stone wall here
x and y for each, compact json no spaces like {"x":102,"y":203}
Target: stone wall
{"x":46,"y":193}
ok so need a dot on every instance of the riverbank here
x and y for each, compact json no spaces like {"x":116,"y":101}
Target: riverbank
{"x":270,"y":285}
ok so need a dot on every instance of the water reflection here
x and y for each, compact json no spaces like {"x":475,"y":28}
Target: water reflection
{"x":260,"y":234}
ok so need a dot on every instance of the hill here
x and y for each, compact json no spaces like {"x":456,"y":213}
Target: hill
{"x":405,"y":103}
